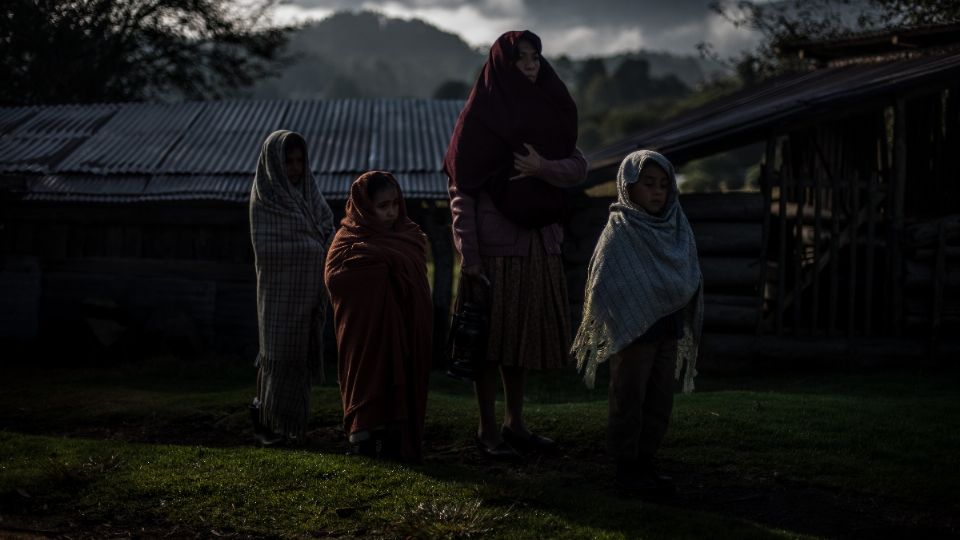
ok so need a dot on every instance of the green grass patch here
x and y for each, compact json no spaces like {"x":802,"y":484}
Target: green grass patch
{"x":87,"y":449}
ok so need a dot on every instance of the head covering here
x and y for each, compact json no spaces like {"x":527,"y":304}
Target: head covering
{"x":291,"y":226}
{"x":644,"y":268}
{"x":505,"y":110}
{"x":383,"y":315}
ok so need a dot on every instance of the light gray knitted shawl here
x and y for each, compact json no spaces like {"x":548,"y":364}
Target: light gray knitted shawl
{"x":644,"y":268}
{"x":291,"y":227}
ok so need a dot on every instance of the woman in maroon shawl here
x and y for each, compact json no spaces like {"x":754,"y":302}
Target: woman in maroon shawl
{"x":512,"y":153}
{"x":383,"y":314}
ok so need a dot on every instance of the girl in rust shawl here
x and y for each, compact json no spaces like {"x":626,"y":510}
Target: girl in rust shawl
{"x":383,"y":314}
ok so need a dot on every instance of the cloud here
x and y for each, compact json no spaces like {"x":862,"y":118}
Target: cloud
{"x":570,"y":27}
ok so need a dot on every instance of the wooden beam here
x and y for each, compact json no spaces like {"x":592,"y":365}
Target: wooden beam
{"x":766,"y":187}
{"x":440,"y":237}
{"x":747,"y":352}
{"x":854,"y":226}
{"x":739,"y":206}
{"x":728,"y":238}
{"x":153,"y":267}
{"x":173,"y":213}
{"x":939,"y":281}
{"x":817,"y":236}
{"x":798,"y":252}
{"x":782,"y":239}
{"x":834,"y":259}
{"x":728,"y":273}
{"x":896,"y":204}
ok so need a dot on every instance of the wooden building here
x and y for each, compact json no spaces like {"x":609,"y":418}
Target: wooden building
{"x":129,"y":222}
{"x":851,"y":250}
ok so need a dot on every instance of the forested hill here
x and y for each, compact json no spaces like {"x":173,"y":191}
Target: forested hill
{"x":367,"y":54}
{"x":370,"y":55}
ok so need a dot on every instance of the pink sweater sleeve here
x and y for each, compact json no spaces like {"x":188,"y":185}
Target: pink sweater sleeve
{"x":463,"y":208}
{"x":566,"y":172}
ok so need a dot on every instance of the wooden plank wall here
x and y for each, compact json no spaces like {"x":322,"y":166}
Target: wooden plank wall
{"x":178,"y":273}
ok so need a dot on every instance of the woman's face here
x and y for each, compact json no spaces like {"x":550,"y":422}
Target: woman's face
{"x":528,"y":60}
{"x":386,"y":205}
{"x":651,"y":189}
{"x":295,"y":164}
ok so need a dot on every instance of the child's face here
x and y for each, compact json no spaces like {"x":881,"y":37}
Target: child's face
{"x":650,"y":191}
{"x":295,"y":164}
{"x":386,"y":205}
{"x":528,"y":61}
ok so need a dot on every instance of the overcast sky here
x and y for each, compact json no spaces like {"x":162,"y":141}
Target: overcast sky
{"x":575,"y":27}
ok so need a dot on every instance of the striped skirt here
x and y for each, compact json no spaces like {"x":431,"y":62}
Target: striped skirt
{"x":529,"y":310}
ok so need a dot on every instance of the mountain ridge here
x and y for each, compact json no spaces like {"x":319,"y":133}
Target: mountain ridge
{"x":368,"y":54}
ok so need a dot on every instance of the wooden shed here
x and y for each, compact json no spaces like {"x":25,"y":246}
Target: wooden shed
{"x":129,"y":222}
{"x":850,"y":252}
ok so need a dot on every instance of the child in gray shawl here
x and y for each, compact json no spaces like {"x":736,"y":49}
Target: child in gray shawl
{"x":643,"y":313}
{"x":291,"y":227}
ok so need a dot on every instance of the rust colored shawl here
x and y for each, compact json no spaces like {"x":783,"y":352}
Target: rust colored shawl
{"x":383,"y":314}
{"x":503,"y":111}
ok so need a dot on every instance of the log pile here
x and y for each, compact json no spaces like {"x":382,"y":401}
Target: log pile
{"x":729,"y":232}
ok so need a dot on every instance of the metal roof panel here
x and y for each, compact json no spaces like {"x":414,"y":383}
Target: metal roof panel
{"x":136,"y":139}
{"x":50,"y":135}
{"x":225,"y":138}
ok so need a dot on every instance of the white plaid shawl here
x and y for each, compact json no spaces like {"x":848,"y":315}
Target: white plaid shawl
{"x":644,"y":268}
{"x":291,"y":227}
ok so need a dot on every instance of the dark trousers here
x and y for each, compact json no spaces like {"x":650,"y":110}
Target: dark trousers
{"x":641,"y":398}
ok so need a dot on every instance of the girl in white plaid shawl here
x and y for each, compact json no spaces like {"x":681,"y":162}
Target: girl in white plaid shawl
{"x":291,"y":227}
{"x":642,"y":313}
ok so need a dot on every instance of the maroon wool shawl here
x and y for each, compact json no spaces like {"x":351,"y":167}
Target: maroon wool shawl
{"x":383,"y":316}
{"x":505,"y":110}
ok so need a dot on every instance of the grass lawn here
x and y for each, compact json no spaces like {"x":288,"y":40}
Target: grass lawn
{"x":166,"y":451}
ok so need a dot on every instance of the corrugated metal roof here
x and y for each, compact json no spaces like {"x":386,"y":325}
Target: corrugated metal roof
{"x":337,"y":131}
{"x":47,"y":137}
{"x":85,"y":187}
{"x":221,"y":187}
{"x":135,"y":140}
{"x":137,"y":188}
{"x":422,"y":185}
{"x":225,"y":138}
{"x":209,"y":150}
{"x":750,"y":115}
{"x":11,"y":117}
{"x":412,"y":135}
{"x":415,"y":185}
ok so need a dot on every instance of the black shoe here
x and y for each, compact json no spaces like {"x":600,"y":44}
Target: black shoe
{"x":639,"y":479}
{"x":500,"y":452}
{"x":390,"y":448}
{"x":367,"y":448}
{"x":531,"y":444}
{"x":664,"y":484}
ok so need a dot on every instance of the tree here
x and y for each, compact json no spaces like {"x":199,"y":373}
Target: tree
{"x":632,"y":80}
{"x":592,"y":68}
{"x":58,"y":51}
{"x":788,"y":21}
{"x":452,"y":90}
